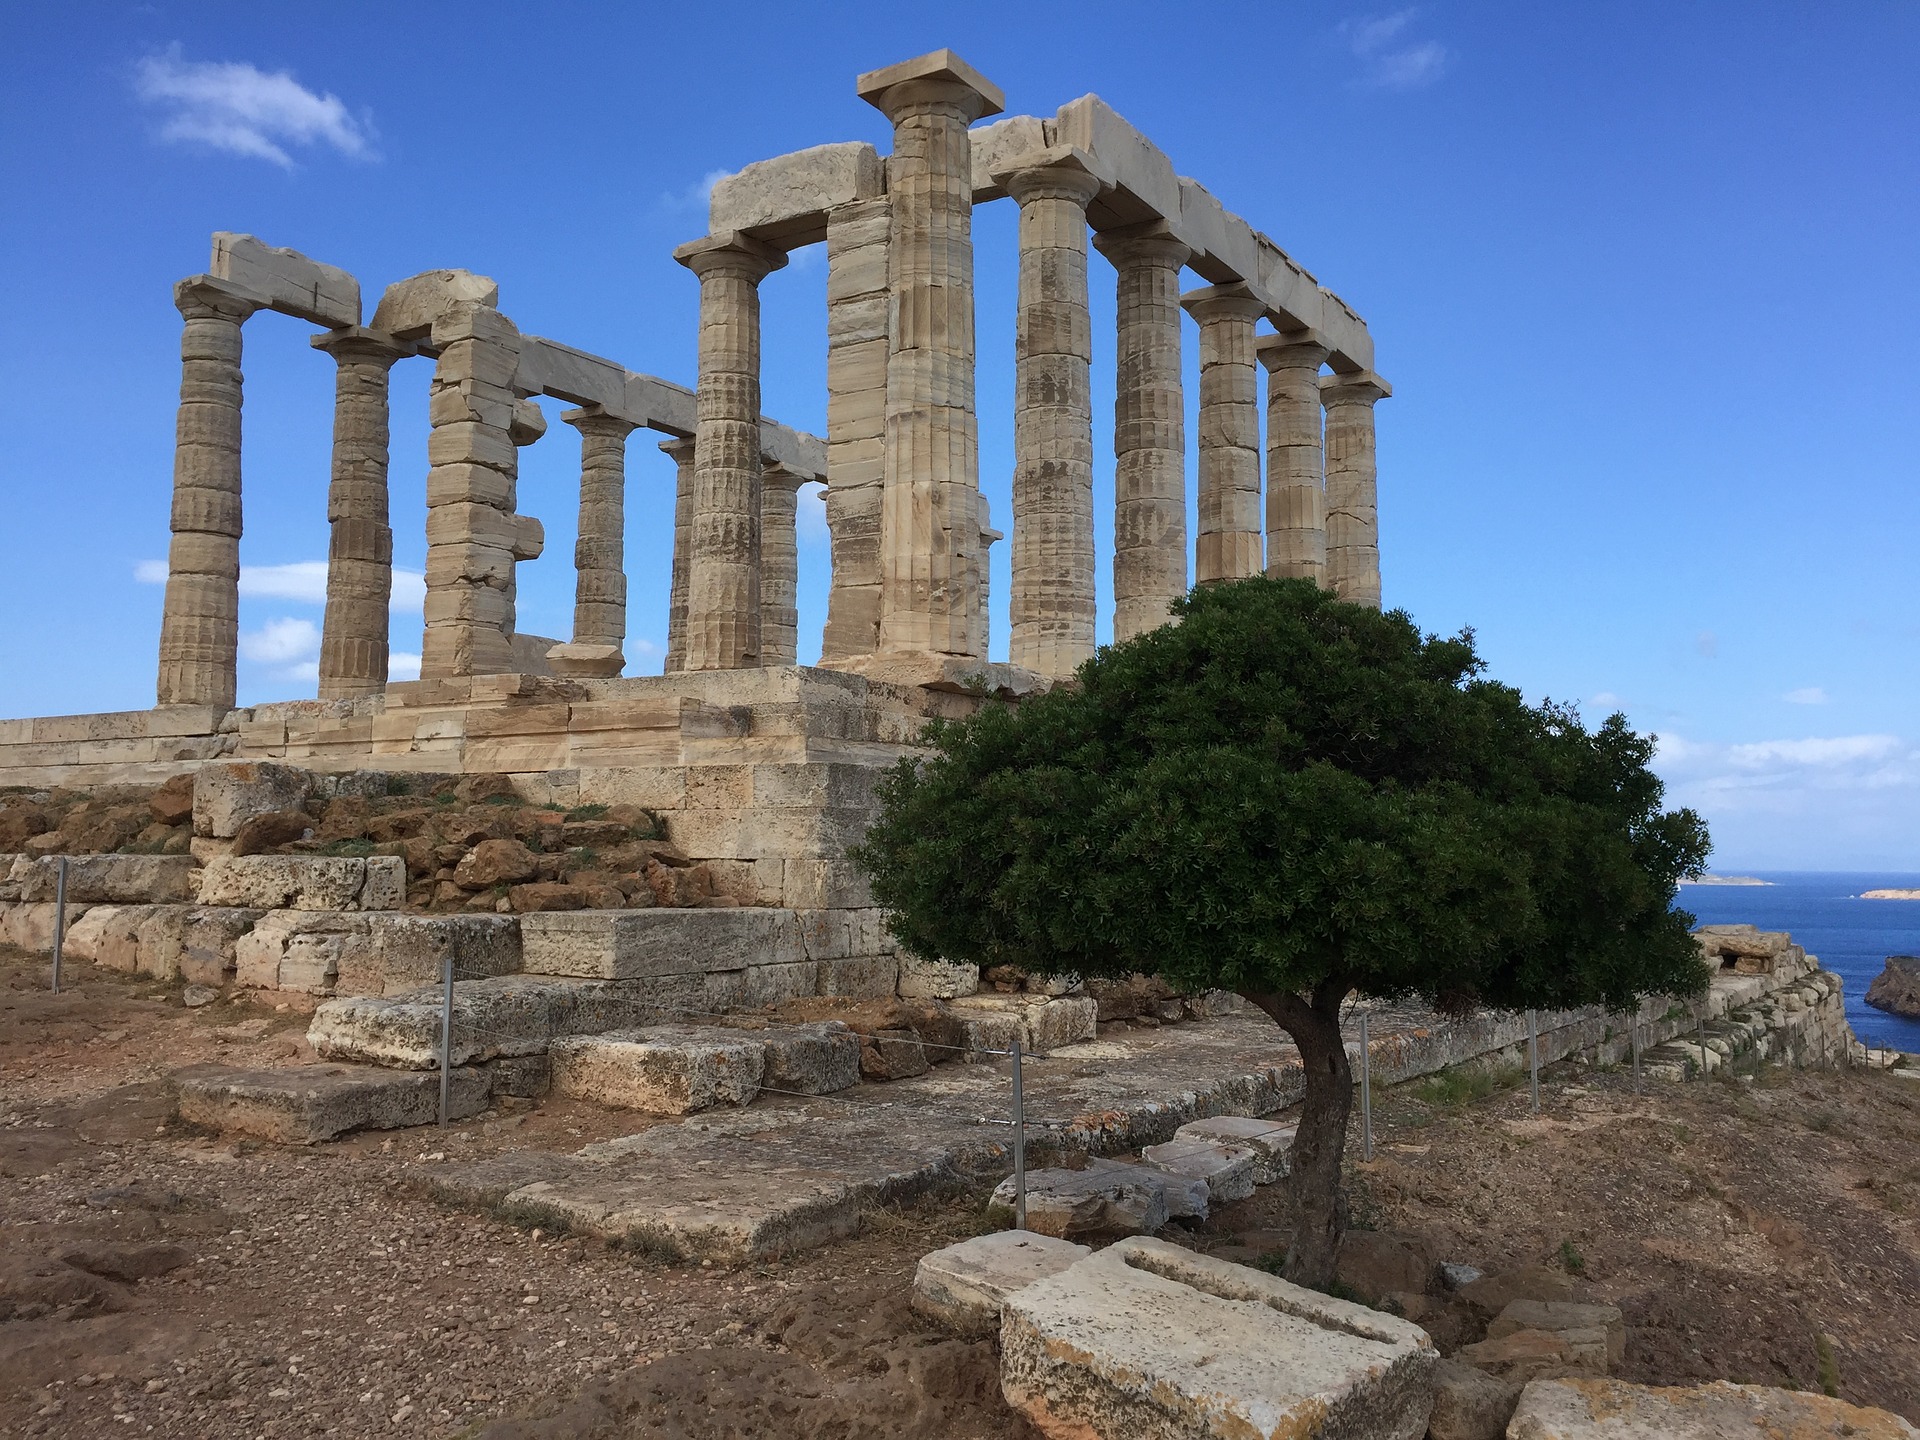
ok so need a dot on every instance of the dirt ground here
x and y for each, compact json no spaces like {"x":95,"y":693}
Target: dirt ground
{"x":311,"y":1292}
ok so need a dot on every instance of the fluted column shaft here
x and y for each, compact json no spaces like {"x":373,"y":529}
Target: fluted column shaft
{"x":1228,"y":545}
{"x":599,"y":551}
{"x":1296,"y":479}
{"x":1149,"y":429}
{"x":682,"y":453}
{"x":354,"y":630}
{"x":723,"y":556}
{"x":930,"y":546}
{"x":857,"y":304}
{"x":779,"y":567}
{"x":1052,"y":604}
{"x":1353,"y":521}
{"x":200,"y":617}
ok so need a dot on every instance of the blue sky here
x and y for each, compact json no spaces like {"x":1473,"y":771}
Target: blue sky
{"x":1643,"y":277}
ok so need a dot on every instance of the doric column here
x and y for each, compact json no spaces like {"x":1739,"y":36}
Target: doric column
{"x":1296,"y":477}
{"x":200,"y":618}
{"x":1228,"y":545}
{"x":1149,"y":428}
{"x":353,"y":634}
{"x":682,"y":453}
{"x":930,"y":557}
{"x":599,"y":551}
{"x":779,"y":567}
{"x":1051,"y":605}
{"x":1353,"y":519}
{"x":723,"y":556}
{"x":856,"y":424}
{"x":983,"y":611}
{"x":474,"y":538}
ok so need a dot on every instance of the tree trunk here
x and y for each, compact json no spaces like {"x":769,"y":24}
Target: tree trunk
{"x":1319,"y":1210}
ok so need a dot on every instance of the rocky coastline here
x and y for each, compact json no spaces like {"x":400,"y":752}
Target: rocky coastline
{"x":1896,"y":989}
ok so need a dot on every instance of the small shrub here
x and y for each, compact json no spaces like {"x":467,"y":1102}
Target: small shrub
{"x":1571,"y":1260}
{"x":1829,"y":1364}
{"x":354,"y":848}
{"x":587,"y":812}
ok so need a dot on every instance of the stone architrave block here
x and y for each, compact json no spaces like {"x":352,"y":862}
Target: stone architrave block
{"x":1000,"y":146}
{"x":550,"y":368}
{"x":409,"y":307}
{"x":639,"y":944}
{"x":411,"y":951}
{"x":1099,"y":1200}
{"x":1271,"y":1141}
{"x":936,"y":979}
{"x":785,"y":200}
{"x":1575,"y":1409}
{"x":667,"y":1070}
{"x":106,"y":879}
{"x":228,"y":793}
{"x":1141,"y":170}
{"x":305,"y":882}
{"x":810,"y":1059}
{"x":287,"y":280}
{"x":961,"y":1287}
{"x":1145,"y":1338}
{"x":1226,"y":1170}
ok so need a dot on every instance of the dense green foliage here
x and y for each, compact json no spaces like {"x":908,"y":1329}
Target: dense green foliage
{"x":1286,"y":793}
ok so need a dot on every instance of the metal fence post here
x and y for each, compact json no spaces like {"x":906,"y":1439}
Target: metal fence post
{"x":446,"y":1039}
{"x":59,"y":916}
{"x":1634,"y":1026}
{"x":1701,"y":1034}
{"x":1019,"y":1145}
{"x":1533,"y":1058}
{"x":1366,"y":1093}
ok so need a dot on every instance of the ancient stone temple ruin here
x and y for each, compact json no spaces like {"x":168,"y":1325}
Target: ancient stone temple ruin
{"x":748,"y":764}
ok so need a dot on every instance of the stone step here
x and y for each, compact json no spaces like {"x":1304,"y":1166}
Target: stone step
{"x":637,"y":944}
{"x":682,"y":1069}
{"x":961,"y":1287}
{"x":1271,"y":1141}
{"x":503,"y":1015}
{"x":312,"y":1103}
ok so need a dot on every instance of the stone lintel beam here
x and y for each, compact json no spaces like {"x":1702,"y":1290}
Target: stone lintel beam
{"x":409,"y":308}
{"x":784,"y":201}
{"x":286,"y":280}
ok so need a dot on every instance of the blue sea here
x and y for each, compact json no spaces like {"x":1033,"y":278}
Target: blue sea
{"x":1852,"y":937}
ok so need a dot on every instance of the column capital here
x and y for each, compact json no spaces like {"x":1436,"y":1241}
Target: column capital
{"x":1059,"y":172}
{"x":1153,"y":241}
{"x":1293,"y":350}
{"x":777,"y":474}
{"x":731,"y":253}
{"x":357,"y":342}
{"x":202,"y":297}
{"x":939,"y":77}
{"x":1362,"y":387}
{"x":679,"y":448}
{"x":1223,"y":302}
{"x":594,"y":420}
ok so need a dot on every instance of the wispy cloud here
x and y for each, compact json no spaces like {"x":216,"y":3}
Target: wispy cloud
{"x":240,"y":109}
{"x":1724,"y":772}
{"x":1390,"y":57}
{"x":695,"y":196}
{"x":1806,"y":695}
{"x":284,"y":641}
{"x":303,"y":581}
{"x":1707,"y":645}
{"x":403,"y":665}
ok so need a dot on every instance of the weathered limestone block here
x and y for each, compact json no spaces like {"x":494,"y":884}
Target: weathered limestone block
{"x":633,"y":944}
{"x":936,"y":979}
{"x":228,"y":793}
{"x":1469,"y":1404}
{"x":810,"y":1059}
{"x":105,"y":879}
{"x":407,"y":952}
{"x":209,"y":941}
{"x":314,"y":1103}
{"x":301,"y":950}
{"x":1044,"y":1023}
{"x":1099,"y":1200}
{"x":30,"y":927}
{"x":668,"y":1070}
{"x":961,"y":1287}
{"x":507,"y":1015}
{"x":1270,"y":1141}
{"x":1145,"y":1338}
{"x":286,"y":280}
{"x":1227,"y":1170}
{"x":86,"y":931}
{"x":786,"y":199}
{"x":116,"y":944}
{"x":1564,"y":1316}
{"x":408,"y":309}
{"x":1614,"y":1410}
{"x":758,"y":986}
{"x":305,"y":882}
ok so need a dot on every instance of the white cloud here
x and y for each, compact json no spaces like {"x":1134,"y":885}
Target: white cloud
{"x":1707,"y":644}
{"x":409,"y":592}
{"x":642,"y":646}
{"x":241,"y":109}
{"x":304,"y":581}
{"x":1806,"y":695}
{"x":150,"y":572}
{"x":1846,"y":750}
{"x":1390,"y":59}
{"x":403,"y":665}
{"x":281,"y":642}
{"x":1607,"y":700}
{"x":695,"y":196}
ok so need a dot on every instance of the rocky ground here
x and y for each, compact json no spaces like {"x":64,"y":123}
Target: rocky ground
{"x":155,"y":1281}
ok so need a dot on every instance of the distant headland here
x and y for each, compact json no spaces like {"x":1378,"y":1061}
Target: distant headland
{"x":1890,"y":894}
{"x":1727,"y":880}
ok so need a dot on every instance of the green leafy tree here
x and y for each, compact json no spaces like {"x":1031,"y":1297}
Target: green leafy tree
{"x":1300,"y":800}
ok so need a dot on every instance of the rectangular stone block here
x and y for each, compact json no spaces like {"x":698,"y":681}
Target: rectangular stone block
{"x":637,"y":944}
{"x":1579,"y":1409}
{"x":105,"y":879}
{"x":226,"y":794}
{"x":961,"y":1287}
{"x":314,"y":1103}
{"x":784,"y":200}
{"x":758,"y":986}
{"x":1145,"y":1338}
{"x":1271,"y":1141}
{"x":664,"y":1070}
{"x":1143,"y":175}
{"x":305,"y":882}
{"x":287,"y":280}
{"x":411,"y":951}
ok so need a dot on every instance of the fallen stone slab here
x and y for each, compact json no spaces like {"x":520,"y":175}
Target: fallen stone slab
{"x":305,"y":882}
{"x":960,"y":1287}
{"x":1615,"y":1410}
{"x":1226,"y":1170}
{"x":507,"y":1015}
{"x":1147,"y":1339}
{"x":668,"y":1070}
{"x":1271,"y":1141}
{"x":1099,"y":1200}
{"x":1042,"y":1023}
{"x":312,"y":1103}
{"x":1469,"y":1404}
{"x":638,"y":944}
{"x":810,"y":1059}
{"x":1564,"y":1317}
{"x":1524,"y":1355}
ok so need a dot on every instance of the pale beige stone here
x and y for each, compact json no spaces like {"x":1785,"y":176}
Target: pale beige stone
{"x":286,"y":280}
{"x":1592,"y":1409}
{"x":857,"y":310}
{"x":681,"y":452}
{"x":664,"y":1070}
{"x":1296,"y":461}
{"x":1353,"y":522}
{"x":408,"y":309}
{"x":1228,"y":544}
{"x":779,"y":567}
{"x":305,"y":882}
{"x":786,"y":200}
{"x":961,"y":1287}
{"x":599,"y":551}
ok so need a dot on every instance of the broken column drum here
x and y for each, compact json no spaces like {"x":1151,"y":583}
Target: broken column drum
{"x":200,"y":621}
{"x":723,"y":544}
{"x":1149,"y":429}
{"x":353,"y":634}
{"x":1052,"y":603}
{"x":1353,"y":521}
{"x":1228,"y":546}
{"x":1296,"y":516}
{"x":930,"y":527}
